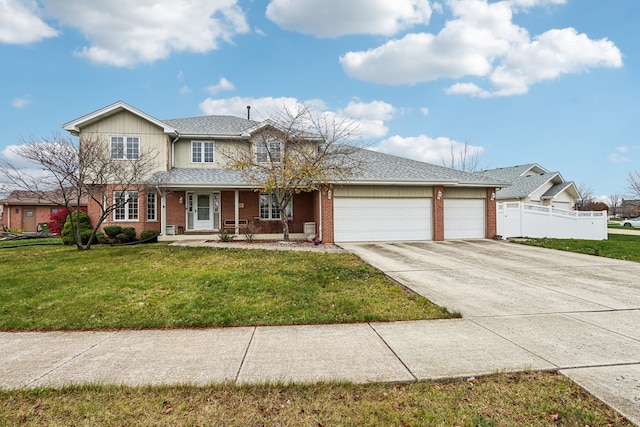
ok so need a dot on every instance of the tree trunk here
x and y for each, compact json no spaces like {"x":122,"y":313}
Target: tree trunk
{"x":285,"y":226}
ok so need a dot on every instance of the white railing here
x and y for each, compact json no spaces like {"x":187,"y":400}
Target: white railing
{"x":517,"y":219}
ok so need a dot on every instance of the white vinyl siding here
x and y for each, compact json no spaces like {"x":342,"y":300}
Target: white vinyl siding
{"x":382,"y":219}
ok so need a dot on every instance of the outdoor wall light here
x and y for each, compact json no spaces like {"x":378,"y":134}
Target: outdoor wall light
{"x":181,"y":200}
{"x":439,"y":195}
{"x":329,"y":194}
{"x":493,"y":195}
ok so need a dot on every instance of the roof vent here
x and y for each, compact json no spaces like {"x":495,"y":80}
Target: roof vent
{"x":248,"y":112}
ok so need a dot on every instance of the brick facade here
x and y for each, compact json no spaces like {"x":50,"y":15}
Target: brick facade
{"x":327,"y":215}
{"x":492,"y":226}
{"x":438,"y":213}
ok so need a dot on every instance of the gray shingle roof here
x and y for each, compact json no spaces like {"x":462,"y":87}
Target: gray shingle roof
{"x":211,"y":125}
{"x":386,"y":167}
{"x":525,"y":185}
{"x":557,"y":189}
{"x":202,"y":177}
{"x":377,"y":168}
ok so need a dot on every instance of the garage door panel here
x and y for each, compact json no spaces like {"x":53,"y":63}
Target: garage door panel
{"x":381,"y":219}
{"x":464,"y":218}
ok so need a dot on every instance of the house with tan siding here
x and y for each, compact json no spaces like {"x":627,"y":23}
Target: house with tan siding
{"x":393,"y":199}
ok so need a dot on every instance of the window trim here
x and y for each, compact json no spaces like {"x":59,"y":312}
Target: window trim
{"x":268,"y":147}
{"x":124,"y":151}
{"x":202,"y":156}
{"x":273,"y":205}
{"x":154,"y":217}
{"x":128,"y":207}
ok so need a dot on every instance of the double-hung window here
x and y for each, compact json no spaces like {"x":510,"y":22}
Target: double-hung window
{"x":152,"y":214}
{"x":125,"y":147}
{"x":266,"y":152}
{"x":269,"y":207}
{"x":126,"y":205}
{"x":202,"y":152}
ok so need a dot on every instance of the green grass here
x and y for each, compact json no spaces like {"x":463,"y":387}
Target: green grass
{"x":618,"y":246}
{"x":527,"y":399}
{"x":34,"y":241}
{"x":161,"y":286}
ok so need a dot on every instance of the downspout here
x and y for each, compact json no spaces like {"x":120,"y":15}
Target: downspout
{"x":172,"y":163}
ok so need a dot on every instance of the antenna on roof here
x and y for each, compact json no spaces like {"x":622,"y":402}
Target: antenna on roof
{"x":248,"y":112}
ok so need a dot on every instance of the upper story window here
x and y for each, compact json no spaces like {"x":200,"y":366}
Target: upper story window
{"x":202,"y":152}
{"x":125,"y":147}
{"x":266,"y":152}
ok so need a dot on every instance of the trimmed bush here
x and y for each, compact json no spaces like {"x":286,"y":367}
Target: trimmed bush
{"x":146,"y":234}
{"x":85,"y":228}
{"x":122,"y":238}
{"x":130,"y":232}
{"x":112,"y":230}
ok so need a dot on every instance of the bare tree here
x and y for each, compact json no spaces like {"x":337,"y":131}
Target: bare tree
{"x":633,"y":183}
{"x":615,"y":200}
{"x":465,"y":158}
{"x":298,"y":151}
{"x":73,"y":170}
{"x":586,"y":196}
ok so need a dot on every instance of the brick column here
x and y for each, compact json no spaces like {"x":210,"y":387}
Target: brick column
{"x":492,"y":227}
{"x":327,"y":214}
{"x":438,"y":213}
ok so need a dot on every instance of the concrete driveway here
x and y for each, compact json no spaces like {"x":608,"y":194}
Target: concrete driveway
{"x":579,"y":313}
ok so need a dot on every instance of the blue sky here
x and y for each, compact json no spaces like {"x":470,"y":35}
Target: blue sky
{"x":554,"y":82}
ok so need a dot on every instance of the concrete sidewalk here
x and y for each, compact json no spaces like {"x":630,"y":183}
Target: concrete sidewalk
{"x":524,"y":308}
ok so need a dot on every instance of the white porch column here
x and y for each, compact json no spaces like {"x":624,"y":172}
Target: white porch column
{"x":236,"y":211}
{"x":163,"y":213}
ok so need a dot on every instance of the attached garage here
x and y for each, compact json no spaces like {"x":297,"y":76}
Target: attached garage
{"x":464,"y":219}
{"x":369,"y":219}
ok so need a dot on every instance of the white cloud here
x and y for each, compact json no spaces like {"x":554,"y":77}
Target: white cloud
{"x":184,"y":90}
{"x":223,"y":84}
{"x":620,"y":155}
{"x":21,"y":102}
{"x":123,"y":33}
{"x":369,"y":117}
{"x":334,"y":18}
{"x":424,"y":111}
{"x":21,"y":23}
{"x":427,"y":149}
{"x":482,"y":41}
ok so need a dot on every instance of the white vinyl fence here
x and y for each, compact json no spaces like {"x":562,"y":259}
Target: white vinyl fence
{"x":517,"y":219}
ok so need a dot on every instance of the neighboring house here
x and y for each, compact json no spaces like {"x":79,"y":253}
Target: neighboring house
{"x":534,"y":184}
{"x":629,"y":208}
{"x":25,"y":210}
{"x":394,"y":199}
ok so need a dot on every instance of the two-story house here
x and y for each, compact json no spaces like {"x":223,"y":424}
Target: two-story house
{"x":393,"y":199}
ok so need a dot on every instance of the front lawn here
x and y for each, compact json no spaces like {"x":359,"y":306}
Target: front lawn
{"x":619,"y":246}
{"x":527,"y":399}
{"x":161,"y":286}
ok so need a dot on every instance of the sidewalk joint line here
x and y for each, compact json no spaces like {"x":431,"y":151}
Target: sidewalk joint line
{"x":66,"y":362}
{"x":244,"y":356}
{"x":415,"y":378}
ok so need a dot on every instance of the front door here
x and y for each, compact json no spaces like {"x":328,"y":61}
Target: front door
{"x":203,"y":211}
{"x":29,"y":219}
{"x":203,"y":217}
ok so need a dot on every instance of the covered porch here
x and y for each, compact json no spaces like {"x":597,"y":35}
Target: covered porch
{"x":205,"y":213}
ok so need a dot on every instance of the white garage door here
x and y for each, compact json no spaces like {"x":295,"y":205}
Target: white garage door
{"x":464,"y":219}
{"x":377,"y":219}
